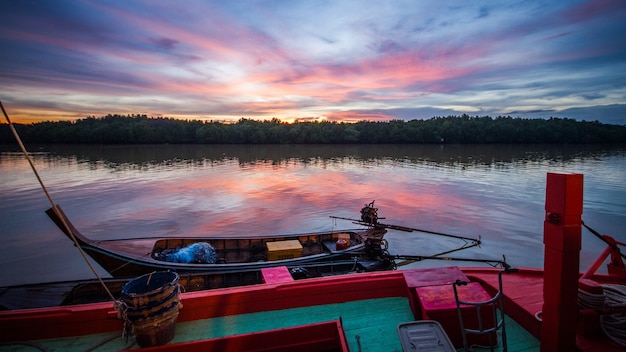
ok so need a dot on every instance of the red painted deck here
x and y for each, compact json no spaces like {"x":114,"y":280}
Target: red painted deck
{"x":318,"y":337}
{"x":523,"y":299}
{"x":523,"y":292}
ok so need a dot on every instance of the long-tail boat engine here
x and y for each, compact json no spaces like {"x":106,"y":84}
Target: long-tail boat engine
{"x":376,"y":248}
{"x":369,"y":214}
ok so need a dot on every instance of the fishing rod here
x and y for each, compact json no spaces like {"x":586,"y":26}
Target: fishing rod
{"x":54,"y":206}
{"x":407,"y":261}
{"x":410,"y":229}
{"x":438,"y":255}
{"x":28,"y":158}
{"x":465,"y":246}
{"x":416,"y":258}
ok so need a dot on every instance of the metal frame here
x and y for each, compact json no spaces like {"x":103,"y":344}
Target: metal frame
{"x":496,"y":303}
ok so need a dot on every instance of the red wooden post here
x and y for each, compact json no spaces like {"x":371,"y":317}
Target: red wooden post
{"x":562,"y":240}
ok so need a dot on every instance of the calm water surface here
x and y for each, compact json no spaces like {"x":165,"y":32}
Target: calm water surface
{"x":496,"y":192}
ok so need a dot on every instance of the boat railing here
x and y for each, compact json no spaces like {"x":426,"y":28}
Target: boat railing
{"x":616,"y":265}
{"x":495,"y":303}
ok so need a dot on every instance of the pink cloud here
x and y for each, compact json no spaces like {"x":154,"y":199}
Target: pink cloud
{"x":269,"y":74}
{"x":334,"y":84}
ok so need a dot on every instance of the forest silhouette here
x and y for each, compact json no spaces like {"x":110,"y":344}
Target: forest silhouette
{"x":140,"y":129}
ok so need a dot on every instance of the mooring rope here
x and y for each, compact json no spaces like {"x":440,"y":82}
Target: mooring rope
{"x":613,"y":296}
{"x":614,"y":325}
{"x":54,"y":206}
{"x":603,"y":239}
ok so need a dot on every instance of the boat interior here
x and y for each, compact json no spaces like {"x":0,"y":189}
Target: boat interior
{"x":243,"y":250}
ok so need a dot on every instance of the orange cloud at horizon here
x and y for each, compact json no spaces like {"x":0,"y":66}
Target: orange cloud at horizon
{"x":30,"y":115}
{"x":356,"y":116}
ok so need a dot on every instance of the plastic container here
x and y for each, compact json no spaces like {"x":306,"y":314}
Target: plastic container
{"x":280,"y":250}
{"x":343,"y":242}
{"x":424,"y":335}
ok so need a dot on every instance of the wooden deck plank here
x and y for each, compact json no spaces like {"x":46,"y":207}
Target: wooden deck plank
{"x":374,"y":321}
{"x":524,"y":294}
{"x":518,"y":339}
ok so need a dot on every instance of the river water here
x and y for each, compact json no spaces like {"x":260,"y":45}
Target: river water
{"x":496,"y":192}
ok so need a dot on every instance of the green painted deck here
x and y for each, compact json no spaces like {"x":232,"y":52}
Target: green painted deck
{"x":373,"y":321}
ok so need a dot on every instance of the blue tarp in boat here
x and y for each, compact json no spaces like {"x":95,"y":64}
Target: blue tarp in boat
{"x":196,"y":253}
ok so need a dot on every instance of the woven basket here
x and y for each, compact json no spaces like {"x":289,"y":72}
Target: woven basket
{"x":155,"y":331}
{"x":151,"y":306}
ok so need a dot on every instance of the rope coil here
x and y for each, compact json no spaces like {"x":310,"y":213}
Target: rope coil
{"x":613,"y":296}
{"x":614,"y":325}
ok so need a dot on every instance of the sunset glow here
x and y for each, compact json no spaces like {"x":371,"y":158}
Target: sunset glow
{"x":309,"y":60}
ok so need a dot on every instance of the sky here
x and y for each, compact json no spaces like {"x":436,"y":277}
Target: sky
{"x":313,"y":60}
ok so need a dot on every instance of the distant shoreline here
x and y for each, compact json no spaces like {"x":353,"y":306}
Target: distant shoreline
{"x":139,"y":129}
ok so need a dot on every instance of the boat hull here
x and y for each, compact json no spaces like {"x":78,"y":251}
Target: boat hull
{"x":92,"y":291}
{"x":135,"y":257}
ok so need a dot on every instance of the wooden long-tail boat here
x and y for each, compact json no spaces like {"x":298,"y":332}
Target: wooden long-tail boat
{"x":241,"y":260}
{"x":136,"y":256}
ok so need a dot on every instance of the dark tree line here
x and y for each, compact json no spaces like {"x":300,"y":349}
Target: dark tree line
{"x":139,"y":129}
